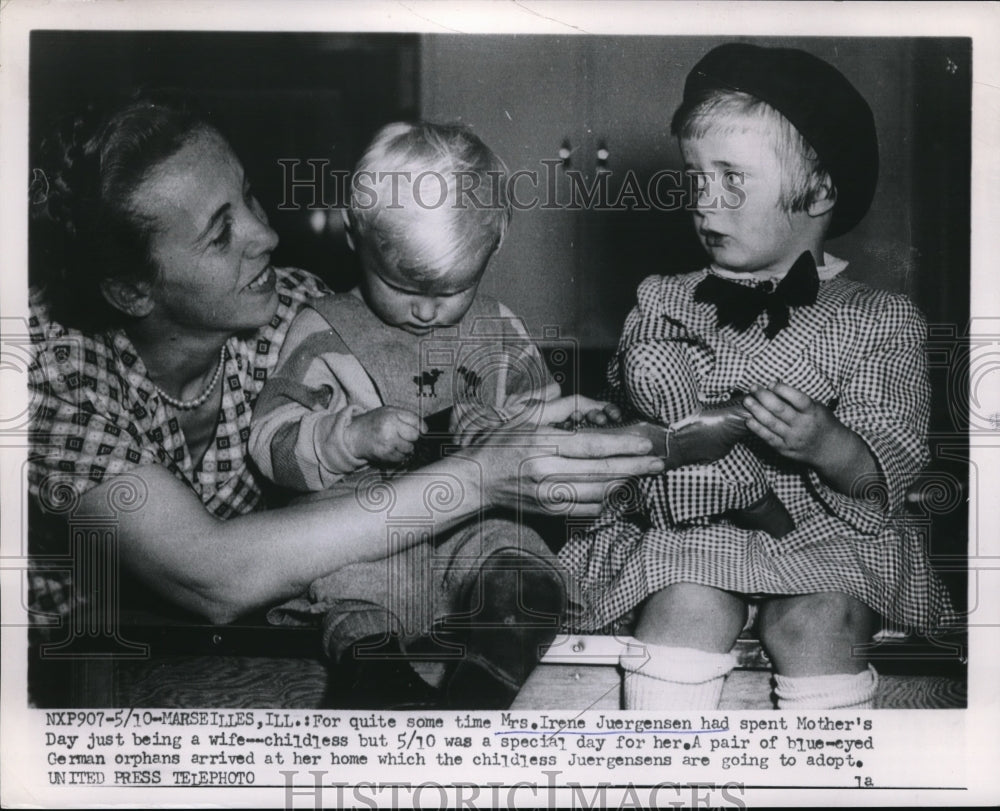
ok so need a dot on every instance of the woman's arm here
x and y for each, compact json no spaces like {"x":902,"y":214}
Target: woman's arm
{"x":223,"y":569}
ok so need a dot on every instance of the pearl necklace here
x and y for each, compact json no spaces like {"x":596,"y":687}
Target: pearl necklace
{"x":189,"y":405}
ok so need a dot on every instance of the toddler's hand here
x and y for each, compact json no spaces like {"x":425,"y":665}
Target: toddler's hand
{"x":606,"y":414}
{"x":792,"y":423}
{"x":384,"y":435}
{"x":799,"y":428}
{"x":590,"y":413}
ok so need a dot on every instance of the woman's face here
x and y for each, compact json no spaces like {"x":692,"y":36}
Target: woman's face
{"x":211,"y":241}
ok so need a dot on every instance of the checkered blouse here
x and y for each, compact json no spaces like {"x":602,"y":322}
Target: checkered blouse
{"x":856,"y":349}
{"x":96,"y":415}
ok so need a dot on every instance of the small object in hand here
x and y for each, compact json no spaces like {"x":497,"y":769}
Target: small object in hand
{"x":705,"y":436}
{"x":609,"y":415}
{"x":710,"y":433}
{"x":430,"y":447}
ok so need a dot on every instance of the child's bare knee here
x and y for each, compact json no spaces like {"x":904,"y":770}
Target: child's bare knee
{"x":692,"y":615}
{"x":793,"y":623}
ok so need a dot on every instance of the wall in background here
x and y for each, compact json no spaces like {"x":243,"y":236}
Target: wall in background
{"x":529,"y":96}
{"x":302,"y":96}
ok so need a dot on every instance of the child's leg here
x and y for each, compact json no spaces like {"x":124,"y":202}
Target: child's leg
{"x":688,"y":631}
{"x":811,"y":640}
{"x":505,"y":594}
{"x":493,"y":581}
{"x":365,"y":638}
{"x":690,"y":615}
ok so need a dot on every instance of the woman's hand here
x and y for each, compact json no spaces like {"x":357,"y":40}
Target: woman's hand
{"x":223,"y":569}
{"x":550,"y":470}
{"x":548,"y":407}
{"x":574,"y":410}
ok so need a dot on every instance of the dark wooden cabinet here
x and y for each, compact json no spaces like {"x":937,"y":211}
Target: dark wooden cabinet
{"x":280,"y":98}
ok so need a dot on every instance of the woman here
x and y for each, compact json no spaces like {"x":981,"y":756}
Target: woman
{"x":156,"y":318}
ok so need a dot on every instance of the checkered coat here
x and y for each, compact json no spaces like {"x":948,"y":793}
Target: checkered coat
{"x":859,"y":350}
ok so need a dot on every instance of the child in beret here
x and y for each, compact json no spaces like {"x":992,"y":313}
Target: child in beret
{"x":832,"y":376}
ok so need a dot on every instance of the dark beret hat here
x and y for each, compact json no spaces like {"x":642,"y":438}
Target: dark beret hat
{"x":819,"y":101}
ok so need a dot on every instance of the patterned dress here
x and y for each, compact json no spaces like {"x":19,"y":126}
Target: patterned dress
{"x":96,"y":415}
{"x":858,"y":350}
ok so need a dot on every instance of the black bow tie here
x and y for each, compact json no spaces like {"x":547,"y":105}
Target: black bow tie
{"x":739,"y":305}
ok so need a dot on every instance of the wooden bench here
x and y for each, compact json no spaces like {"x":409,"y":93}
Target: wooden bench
{"x":248,"y":665}
{"x":580,"y":673}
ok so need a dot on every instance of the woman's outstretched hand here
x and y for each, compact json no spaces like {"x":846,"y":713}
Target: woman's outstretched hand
{"x":551,"y":470}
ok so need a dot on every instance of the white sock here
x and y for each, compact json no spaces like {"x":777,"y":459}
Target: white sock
{"x":669,"y":678}
{"x":838,"y":691}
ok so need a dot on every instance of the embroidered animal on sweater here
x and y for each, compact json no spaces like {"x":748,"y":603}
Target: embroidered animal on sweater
{"x":472,"y":381}
{"x":428,"y":379}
